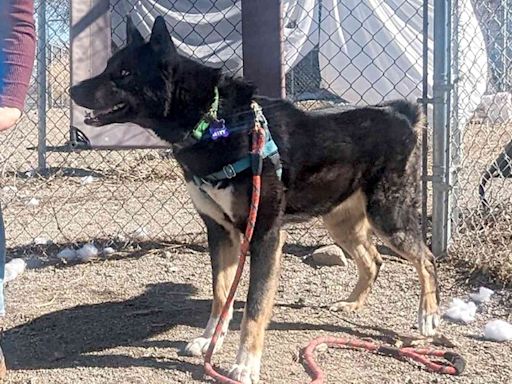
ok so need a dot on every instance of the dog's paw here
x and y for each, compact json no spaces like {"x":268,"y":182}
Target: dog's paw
{"x":345,"y":306}
{"x":244,"y":374}
{"x":247,"y":368}
{"x":199,"y":346}
{"x":428,"y":322}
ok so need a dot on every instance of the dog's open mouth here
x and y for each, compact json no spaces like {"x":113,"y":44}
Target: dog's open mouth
{"x":105,"y":116}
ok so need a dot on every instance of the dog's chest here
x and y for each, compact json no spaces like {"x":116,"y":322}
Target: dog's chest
{"x":217,"y":203}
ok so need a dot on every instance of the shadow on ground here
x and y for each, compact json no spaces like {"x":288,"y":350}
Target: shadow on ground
{"x":68,"y":338}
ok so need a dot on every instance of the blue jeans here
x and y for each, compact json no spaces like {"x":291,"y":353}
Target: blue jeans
{"x":2,"y":263}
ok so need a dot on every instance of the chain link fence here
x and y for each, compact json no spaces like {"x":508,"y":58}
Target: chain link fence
{"x":481,"y":149}
{"x":334,"y":52}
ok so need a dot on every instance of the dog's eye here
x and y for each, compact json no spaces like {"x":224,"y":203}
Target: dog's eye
{"x":125,"y":73}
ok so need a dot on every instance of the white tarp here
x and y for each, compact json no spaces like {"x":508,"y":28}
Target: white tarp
{"x":369,"y":50}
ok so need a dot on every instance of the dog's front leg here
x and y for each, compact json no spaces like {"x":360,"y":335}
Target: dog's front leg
{"x":264,"y":276}
{"x":224,"y":245}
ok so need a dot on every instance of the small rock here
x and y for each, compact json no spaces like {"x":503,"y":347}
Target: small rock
{"x":329,"y":255}
{"x":33,"y":202}
{"x":41,"y":240}
{"x":10,"y":189}
{"x":140,"y":233}
{"x":87,"y":180}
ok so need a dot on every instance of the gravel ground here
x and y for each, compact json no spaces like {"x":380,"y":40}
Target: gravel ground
{"x":124,"y":319}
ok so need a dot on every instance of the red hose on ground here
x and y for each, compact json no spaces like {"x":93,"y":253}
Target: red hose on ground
{"x":454,"y":366}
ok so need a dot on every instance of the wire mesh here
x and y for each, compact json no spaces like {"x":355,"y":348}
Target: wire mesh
{"x":103,"y":195}
{"x":334,"y":52}
{"x":480,"y":148}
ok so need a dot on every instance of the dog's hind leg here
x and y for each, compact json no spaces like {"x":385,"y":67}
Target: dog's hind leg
{"x":224,"y":247}
{"x":264,"y":275}
{"x":350,"y":229}
{"x":393,"y":210}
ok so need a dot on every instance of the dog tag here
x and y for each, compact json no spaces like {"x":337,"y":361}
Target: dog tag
{"x":218,"y":129}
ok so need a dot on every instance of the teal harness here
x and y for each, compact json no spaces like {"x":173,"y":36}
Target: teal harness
{"x":230,"y":171}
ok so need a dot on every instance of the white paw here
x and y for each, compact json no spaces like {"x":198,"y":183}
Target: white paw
{"x":247,"y":368}
{"x":244,"y":374}
{"x":199,"y":346}
{"x":428,"y":323}
{"x":345,"y":306}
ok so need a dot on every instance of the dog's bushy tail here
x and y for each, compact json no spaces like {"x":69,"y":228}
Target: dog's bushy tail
{"x":411,"y":111}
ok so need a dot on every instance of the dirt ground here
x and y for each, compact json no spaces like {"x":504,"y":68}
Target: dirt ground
{"x":125,"y":318}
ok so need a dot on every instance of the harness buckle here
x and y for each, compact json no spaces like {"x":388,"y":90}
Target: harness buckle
{"x":229,"y":171}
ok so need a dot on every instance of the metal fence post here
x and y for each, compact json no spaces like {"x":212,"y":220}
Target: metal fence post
{"x":440,"y":144}
{"x":424,"y":135}
{"x":456,"y":129}
{"x":42,"y":86}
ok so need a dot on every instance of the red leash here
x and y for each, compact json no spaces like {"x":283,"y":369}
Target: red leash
{"x":418,"y":355}
{"x":258,"y":142}
{"x":454,"y":366}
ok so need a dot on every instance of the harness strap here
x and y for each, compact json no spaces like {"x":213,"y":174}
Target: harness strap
{"x":229,"y":171}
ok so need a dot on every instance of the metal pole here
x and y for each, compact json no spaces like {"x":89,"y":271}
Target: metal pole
{"x":262,"y":32}
{"x":424,"y":135}
{"x":456,"y":129}
{"x":504,"y":52}
{"x":440,"y":91}
{"x":42,"y":84}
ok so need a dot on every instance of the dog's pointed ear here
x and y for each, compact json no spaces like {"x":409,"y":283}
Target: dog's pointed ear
{"x":160,"y":40}
{"x":133,"y":36}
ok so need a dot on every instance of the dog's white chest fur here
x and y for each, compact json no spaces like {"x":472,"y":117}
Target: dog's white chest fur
{"x":217,"y":203}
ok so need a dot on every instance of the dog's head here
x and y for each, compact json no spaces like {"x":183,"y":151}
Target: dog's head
{"x":149,"y":84}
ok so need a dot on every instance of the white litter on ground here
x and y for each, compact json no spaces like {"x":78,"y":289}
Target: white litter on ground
{"x":10,"y":189}
{"x":67,"y":254}
{"x":87,"y":180}
{"x":13,"y":269}
{"x":120,"y":237}
{"x":33,"y":202}
{"x":108,"y":251}
{"x":41,"y":240}
{"x":459,"y":310}
{"x":482,"y":296}
{"x":140,"y":233}
{"x":498,"y":330}
{"x":87,"y":252}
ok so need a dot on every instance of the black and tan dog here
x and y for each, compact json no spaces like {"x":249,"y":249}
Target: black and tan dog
{"x":357,"y":169}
